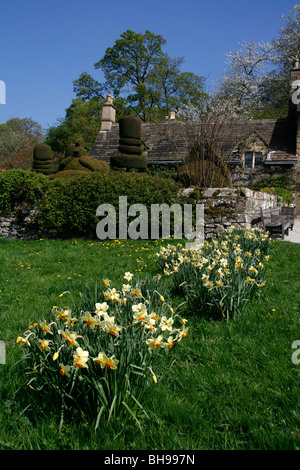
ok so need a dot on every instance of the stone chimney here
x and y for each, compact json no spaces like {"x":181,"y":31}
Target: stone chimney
{"x":108,"y":114}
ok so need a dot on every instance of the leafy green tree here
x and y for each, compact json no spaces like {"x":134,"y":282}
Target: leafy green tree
{"x":83,"y":119}
{"x":154,"y":82}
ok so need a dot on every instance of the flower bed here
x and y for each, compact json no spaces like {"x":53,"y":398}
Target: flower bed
{"x":220,"y":277}
{"x":97,"y":357}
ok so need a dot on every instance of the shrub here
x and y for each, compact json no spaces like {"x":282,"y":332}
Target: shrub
{"x":21,"y":186}
{"x":69,"y":174}
{"x":93,"y":164}
{"x":128,"y":162}
{"x":98,"y":357}
{"x":283,"y":195}
{"x":130,"y":127}
{"x":43,"y":161}
{"x":204,"y":174}
{"x":69,"y":206}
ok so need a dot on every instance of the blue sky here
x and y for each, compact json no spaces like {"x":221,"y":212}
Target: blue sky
{"x":46,"y":45}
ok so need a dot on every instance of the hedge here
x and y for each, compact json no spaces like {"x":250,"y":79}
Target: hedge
{"x":67,"y":206}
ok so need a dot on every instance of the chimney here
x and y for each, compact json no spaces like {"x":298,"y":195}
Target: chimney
{"x":108,"y":114}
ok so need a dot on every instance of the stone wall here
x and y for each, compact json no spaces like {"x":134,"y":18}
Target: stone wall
{"x":223,"y":207}
{"x":233,"y":206}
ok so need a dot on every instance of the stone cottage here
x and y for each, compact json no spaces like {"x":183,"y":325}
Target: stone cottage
{"x":253,"y":149}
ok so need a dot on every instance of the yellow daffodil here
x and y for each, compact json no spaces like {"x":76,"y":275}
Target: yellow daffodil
{"x":23,"y":341}
{"x":105,"y":361}
{"x":44,"y":344}
{"x":91,"y":321}
{"x":80,"y":358}
{"x":65,"y":370}
{"x":166,"y":323}
{"x":153,"y":343}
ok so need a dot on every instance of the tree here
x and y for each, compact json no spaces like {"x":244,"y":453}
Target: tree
{"x":152,"y":82}
{"x":82,"y":119}
{"x":246,"y":74}
{"x":171,"y":89}
{"x":17,"y":139}
{"x":287,"y":45}
{"x":86,"y":87}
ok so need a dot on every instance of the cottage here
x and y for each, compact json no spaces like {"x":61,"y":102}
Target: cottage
{"x":253,"y":149}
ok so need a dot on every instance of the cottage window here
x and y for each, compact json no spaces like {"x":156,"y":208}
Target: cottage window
{"x":253,"y":159}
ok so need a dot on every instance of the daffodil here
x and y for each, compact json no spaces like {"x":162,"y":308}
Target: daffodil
{"x":111,"y":328}
{"x":105,"y":361}
{"x":44,"y":344}
{"x":136,"y":293}
{"x":128,"y":276}
{"x":166,"y":323}
{"x":91,"y":321}
{"x":182,"y":333}
{"x":80,"y":358}
{"x":169,"y":343}
{"x":101,"y":308}
{"x":45,"y":327}
{"x":153,"y":343}
{"x":65,"y":370}
{"x":22,"y":341}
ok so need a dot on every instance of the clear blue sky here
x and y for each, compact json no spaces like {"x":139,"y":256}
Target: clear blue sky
{"x":46,"y":45}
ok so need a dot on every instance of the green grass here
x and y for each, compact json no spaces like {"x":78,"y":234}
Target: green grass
{"x":231,"y":385}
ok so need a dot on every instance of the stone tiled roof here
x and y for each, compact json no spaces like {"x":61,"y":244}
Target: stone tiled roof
{"x":171,"y":140}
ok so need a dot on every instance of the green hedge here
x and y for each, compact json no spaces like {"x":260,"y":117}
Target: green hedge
{"x":67,"y":206}
{"x":20,"y":186}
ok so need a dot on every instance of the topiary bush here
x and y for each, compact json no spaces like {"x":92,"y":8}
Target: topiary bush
{"x":43,"y":161}
{"x":128,"y":162}
{"x":130,"y":127}
{"x":77,"y":159}
{"x":130,"y":145}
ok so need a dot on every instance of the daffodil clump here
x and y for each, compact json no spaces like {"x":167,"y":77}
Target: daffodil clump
{"x":220,"y":277}
{"x":99,"y":360}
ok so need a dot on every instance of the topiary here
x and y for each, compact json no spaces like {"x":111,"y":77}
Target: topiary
{"x":130,"y":145}
{"x":79,"y":152}
{"x":128,"y":162}
{"x":68,"y":174}
{"x":69,"y":150}
{"x":43,"y":161}
{"x":94,"y":165}
{"x":130,"y":127}
{"x":130,"y":149}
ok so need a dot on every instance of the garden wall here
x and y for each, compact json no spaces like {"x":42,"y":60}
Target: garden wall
{"x":223,"y":208}
{"x":233,"y":206}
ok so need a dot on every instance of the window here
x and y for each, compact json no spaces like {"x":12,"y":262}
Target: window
{"x":253,"y":159}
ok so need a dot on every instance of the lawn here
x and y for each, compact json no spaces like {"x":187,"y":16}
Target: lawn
{"x":230,"y":385}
